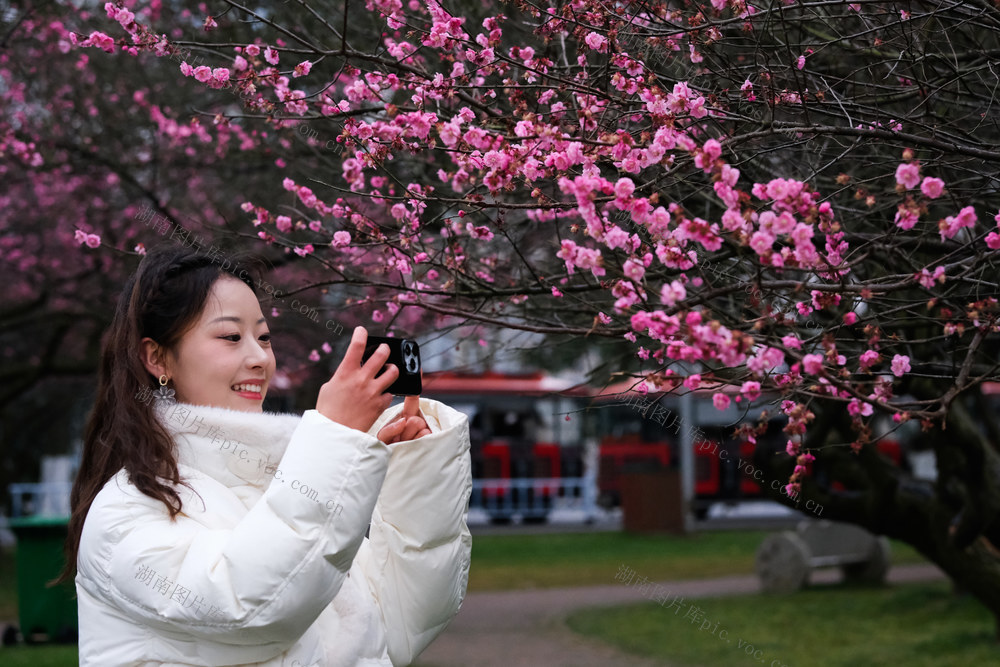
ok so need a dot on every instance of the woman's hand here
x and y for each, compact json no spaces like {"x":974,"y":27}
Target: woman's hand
{"x":354,"y":397}
{"x":409,"y":424}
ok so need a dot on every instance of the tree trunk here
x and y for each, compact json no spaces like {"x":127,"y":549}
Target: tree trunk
{"x":954,"y":521}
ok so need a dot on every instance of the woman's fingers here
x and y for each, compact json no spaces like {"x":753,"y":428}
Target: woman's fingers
{"x":411,"y":406}
{"x":377,"y":361}
{"x":354,"y":396}
{"x":414,"y":427}
{"x":404,"y":428}
{"x":390,"y":432}
{"x":389,"y":375}
{"x":356,"y":352}
{"x":356,"y":348}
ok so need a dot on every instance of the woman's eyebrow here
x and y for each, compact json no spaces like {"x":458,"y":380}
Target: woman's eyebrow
{"x":233,"y":318}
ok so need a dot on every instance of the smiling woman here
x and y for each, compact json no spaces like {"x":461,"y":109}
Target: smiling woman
{"x":225,"y":358}
{"x":185,"y":554}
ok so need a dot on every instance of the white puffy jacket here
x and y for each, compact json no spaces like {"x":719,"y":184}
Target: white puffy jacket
{"x":268,"y":563}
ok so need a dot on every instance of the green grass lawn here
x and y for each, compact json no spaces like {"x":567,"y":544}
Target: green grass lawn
{"x":39,"y":656}
{"x":917,"y":625}
{"x":588,"y":559}
{"x":529,"y":561}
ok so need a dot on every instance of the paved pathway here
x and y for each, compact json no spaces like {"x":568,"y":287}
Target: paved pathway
{"x":528,"y":627}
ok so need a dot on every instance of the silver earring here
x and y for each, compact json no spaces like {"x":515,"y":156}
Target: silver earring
{"x":164,"y":395}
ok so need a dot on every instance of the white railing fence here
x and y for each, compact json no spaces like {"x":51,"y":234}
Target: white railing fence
{"x":40,"y":499}
{"x":535,"y":498}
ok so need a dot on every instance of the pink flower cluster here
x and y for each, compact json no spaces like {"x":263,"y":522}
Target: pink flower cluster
{"x":993,"y":238}
{"x":98,"y":39}
{"x":793,"y":205}
{"x":215,"y":78}
{"x":593,"y":170}
{"x":900,"y":365}
{"x":908,"y":176}
{"x":953,"y":223}
{"x":89,"y":240}
{"x":927,"y":279}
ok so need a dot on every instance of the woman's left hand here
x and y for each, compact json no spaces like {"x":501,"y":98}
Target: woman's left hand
{"x":409,"y":424}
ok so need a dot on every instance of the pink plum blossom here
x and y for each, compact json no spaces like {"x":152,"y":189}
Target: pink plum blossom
{"x":953,"y":223}
{"x":791,"y":342}
{"x":673,"y":292}
{"x":203,"y":73}
{"x":89,"y":240}
{"x":812,"y":363}
{"x":868,"y":359}
{"x":478,"y":232}
{"x":761,"y":241}
{"x":624,"y":188}
{"x":634,"y":270}
{"x":220,"y":75}
{"x":900,"y":365}
{"x":857,"y":408}
{"x":932,"y":187}
{"x":908,"y":175}
{"x":596,"y":41}
{"x":302,"y":69}
{"x":750,"y":389}
{"x":720,"y":401}
{"x":906,"y":218}
{"x":927,"y":279}
{"x":101,"y":41}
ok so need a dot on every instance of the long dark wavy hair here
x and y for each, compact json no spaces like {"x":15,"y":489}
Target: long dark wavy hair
{"x":161,"y":301}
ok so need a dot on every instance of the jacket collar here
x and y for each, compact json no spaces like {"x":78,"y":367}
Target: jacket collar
{"x":236,"y":448}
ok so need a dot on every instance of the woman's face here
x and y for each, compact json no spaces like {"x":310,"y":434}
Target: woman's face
{"x":225,"y":360}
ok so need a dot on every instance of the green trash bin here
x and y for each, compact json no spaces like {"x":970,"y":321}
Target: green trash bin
{"x":45,"y":614}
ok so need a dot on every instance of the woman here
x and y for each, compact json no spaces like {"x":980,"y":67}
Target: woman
{"x":208,"y":532}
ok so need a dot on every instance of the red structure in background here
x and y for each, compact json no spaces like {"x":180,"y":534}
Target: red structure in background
{"x":707,"y":477}
{"x":748,"y":485}
{"x":518,"y":437}
{"x":507,"y":412}
{"x":496,"y":465}
{"x":547,"y":466}
{"x":617,"y":454}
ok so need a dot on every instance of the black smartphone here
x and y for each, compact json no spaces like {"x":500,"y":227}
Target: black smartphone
{"x":405,"y":354}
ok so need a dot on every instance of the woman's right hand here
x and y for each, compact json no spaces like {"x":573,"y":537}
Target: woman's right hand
{"x":354,"y":397}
